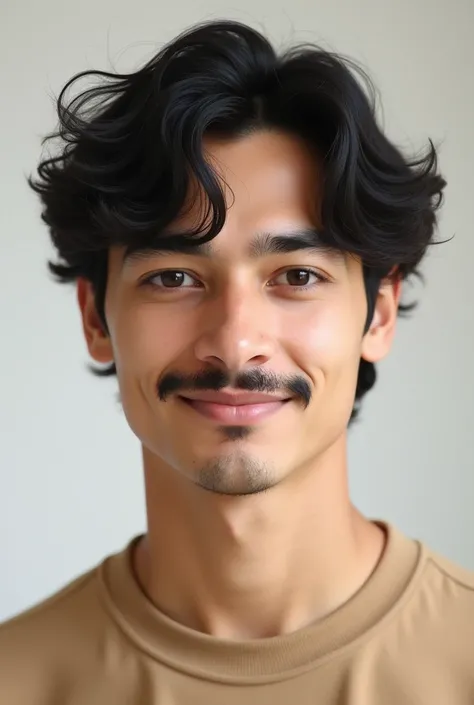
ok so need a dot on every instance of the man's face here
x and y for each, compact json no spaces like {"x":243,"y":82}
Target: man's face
{"x":242,"y":315}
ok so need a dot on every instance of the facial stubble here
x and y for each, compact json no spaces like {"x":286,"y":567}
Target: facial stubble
{"x":236,"y":473}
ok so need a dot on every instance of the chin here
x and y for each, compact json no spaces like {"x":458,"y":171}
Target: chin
{"x":236,"y":473}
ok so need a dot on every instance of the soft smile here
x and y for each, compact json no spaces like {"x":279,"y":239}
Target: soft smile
{"x":230,"y":408}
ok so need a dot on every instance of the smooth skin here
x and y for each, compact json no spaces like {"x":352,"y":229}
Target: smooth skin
{"x":254,"y":535}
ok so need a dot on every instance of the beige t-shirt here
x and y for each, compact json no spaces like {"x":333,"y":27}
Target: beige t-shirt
{"x":406,"y":638}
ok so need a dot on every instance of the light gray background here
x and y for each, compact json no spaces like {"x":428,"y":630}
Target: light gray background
{"x":70,"y":477}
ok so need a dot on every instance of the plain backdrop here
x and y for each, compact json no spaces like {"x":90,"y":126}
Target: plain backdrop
{"x":70,"y":471}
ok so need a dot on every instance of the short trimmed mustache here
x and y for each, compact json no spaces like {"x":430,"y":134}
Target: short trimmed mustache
{"x":257,"y":380}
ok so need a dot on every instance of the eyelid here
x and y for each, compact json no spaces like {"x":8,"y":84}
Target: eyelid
{"x":147,"y":278}
{"x":323,"y":278}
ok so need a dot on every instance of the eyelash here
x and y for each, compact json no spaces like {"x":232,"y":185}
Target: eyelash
{"x":321,"y":279}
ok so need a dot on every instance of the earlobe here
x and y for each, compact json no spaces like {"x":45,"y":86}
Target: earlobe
{"x":97,"y":339}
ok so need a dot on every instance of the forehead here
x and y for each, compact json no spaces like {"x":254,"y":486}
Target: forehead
{"x":267,"y":177}
{"x":272,"y":182}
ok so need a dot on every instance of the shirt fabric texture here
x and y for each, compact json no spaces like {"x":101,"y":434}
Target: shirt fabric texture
{"x":405,"y":638}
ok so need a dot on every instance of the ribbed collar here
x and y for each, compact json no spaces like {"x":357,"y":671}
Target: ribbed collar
{"x":259,"y":660}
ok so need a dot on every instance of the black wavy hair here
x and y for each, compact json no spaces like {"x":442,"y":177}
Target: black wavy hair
{"x":130,"y":144}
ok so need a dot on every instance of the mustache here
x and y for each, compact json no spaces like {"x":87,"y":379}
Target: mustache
{"x":214,"y":380}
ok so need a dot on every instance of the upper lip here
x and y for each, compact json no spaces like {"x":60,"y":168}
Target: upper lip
{"x":234,"y":398}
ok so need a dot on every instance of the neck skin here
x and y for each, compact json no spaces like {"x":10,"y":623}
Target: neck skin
{"x":256,"y":566}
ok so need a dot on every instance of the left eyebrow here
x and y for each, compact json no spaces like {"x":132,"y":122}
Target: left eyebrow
{"x":262,"y":245}
{"x":307,"y":239}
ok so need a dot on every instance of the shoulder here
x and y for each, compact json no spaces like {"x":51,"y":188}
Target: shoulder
{"x":455,"y":579}
{"x":445,"y":592}
{"x":49,"y":612}
{"x":441,"y":610}
{"x":38,"y":646}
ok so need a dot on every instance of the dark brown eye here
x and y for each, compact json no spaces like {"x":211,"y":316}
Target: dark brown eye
{"x":171,"y":279}
{"x":298,"y":277}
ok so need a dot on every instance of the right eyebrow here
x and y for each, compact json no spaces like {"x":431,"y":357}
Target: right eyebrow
{"x":134,"y":254}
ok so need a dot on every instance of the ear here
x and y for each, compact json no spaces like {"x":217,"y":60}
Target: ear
{"x":97,"y":339}
{"x":377,"y":342}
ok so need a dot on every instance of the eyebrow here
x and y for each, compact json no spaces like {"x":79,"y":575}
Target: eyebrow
{"x":306,"y":239}
{"x":263,"y":244}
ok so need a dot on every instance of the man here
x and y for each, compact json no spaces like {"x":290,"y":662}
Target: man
{"x":239,"y":229}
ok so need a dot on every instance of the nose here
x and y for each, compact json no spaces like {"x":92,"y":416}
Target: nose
{"x":236,"y":333}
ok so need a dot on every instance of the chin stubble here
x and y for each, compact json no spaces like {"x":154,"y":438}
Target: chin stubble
{"x":236,"y":475}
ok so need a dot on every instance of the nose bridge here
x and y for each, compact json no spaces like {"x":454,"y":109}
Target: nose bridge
{"x":235,"y":329}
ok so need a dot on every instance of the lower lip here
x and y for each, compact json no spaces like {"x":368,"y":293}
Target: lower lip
{"x":227,"y":414}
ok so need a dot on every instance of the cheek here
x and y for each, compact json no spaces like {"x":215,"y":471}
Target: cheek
{"x":147,"y":340}
{"x":327,"y":348}
{"x":327,"y":340}
{"x":148,"y":337}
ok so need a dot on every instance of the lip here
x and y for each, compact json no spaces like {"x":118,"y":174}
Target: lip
{"x":234,"y":398}
{"x":235,"y":409}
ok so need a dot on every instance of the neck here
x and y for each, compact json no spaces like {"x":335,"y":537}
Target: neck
{"x":260,"y":565}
